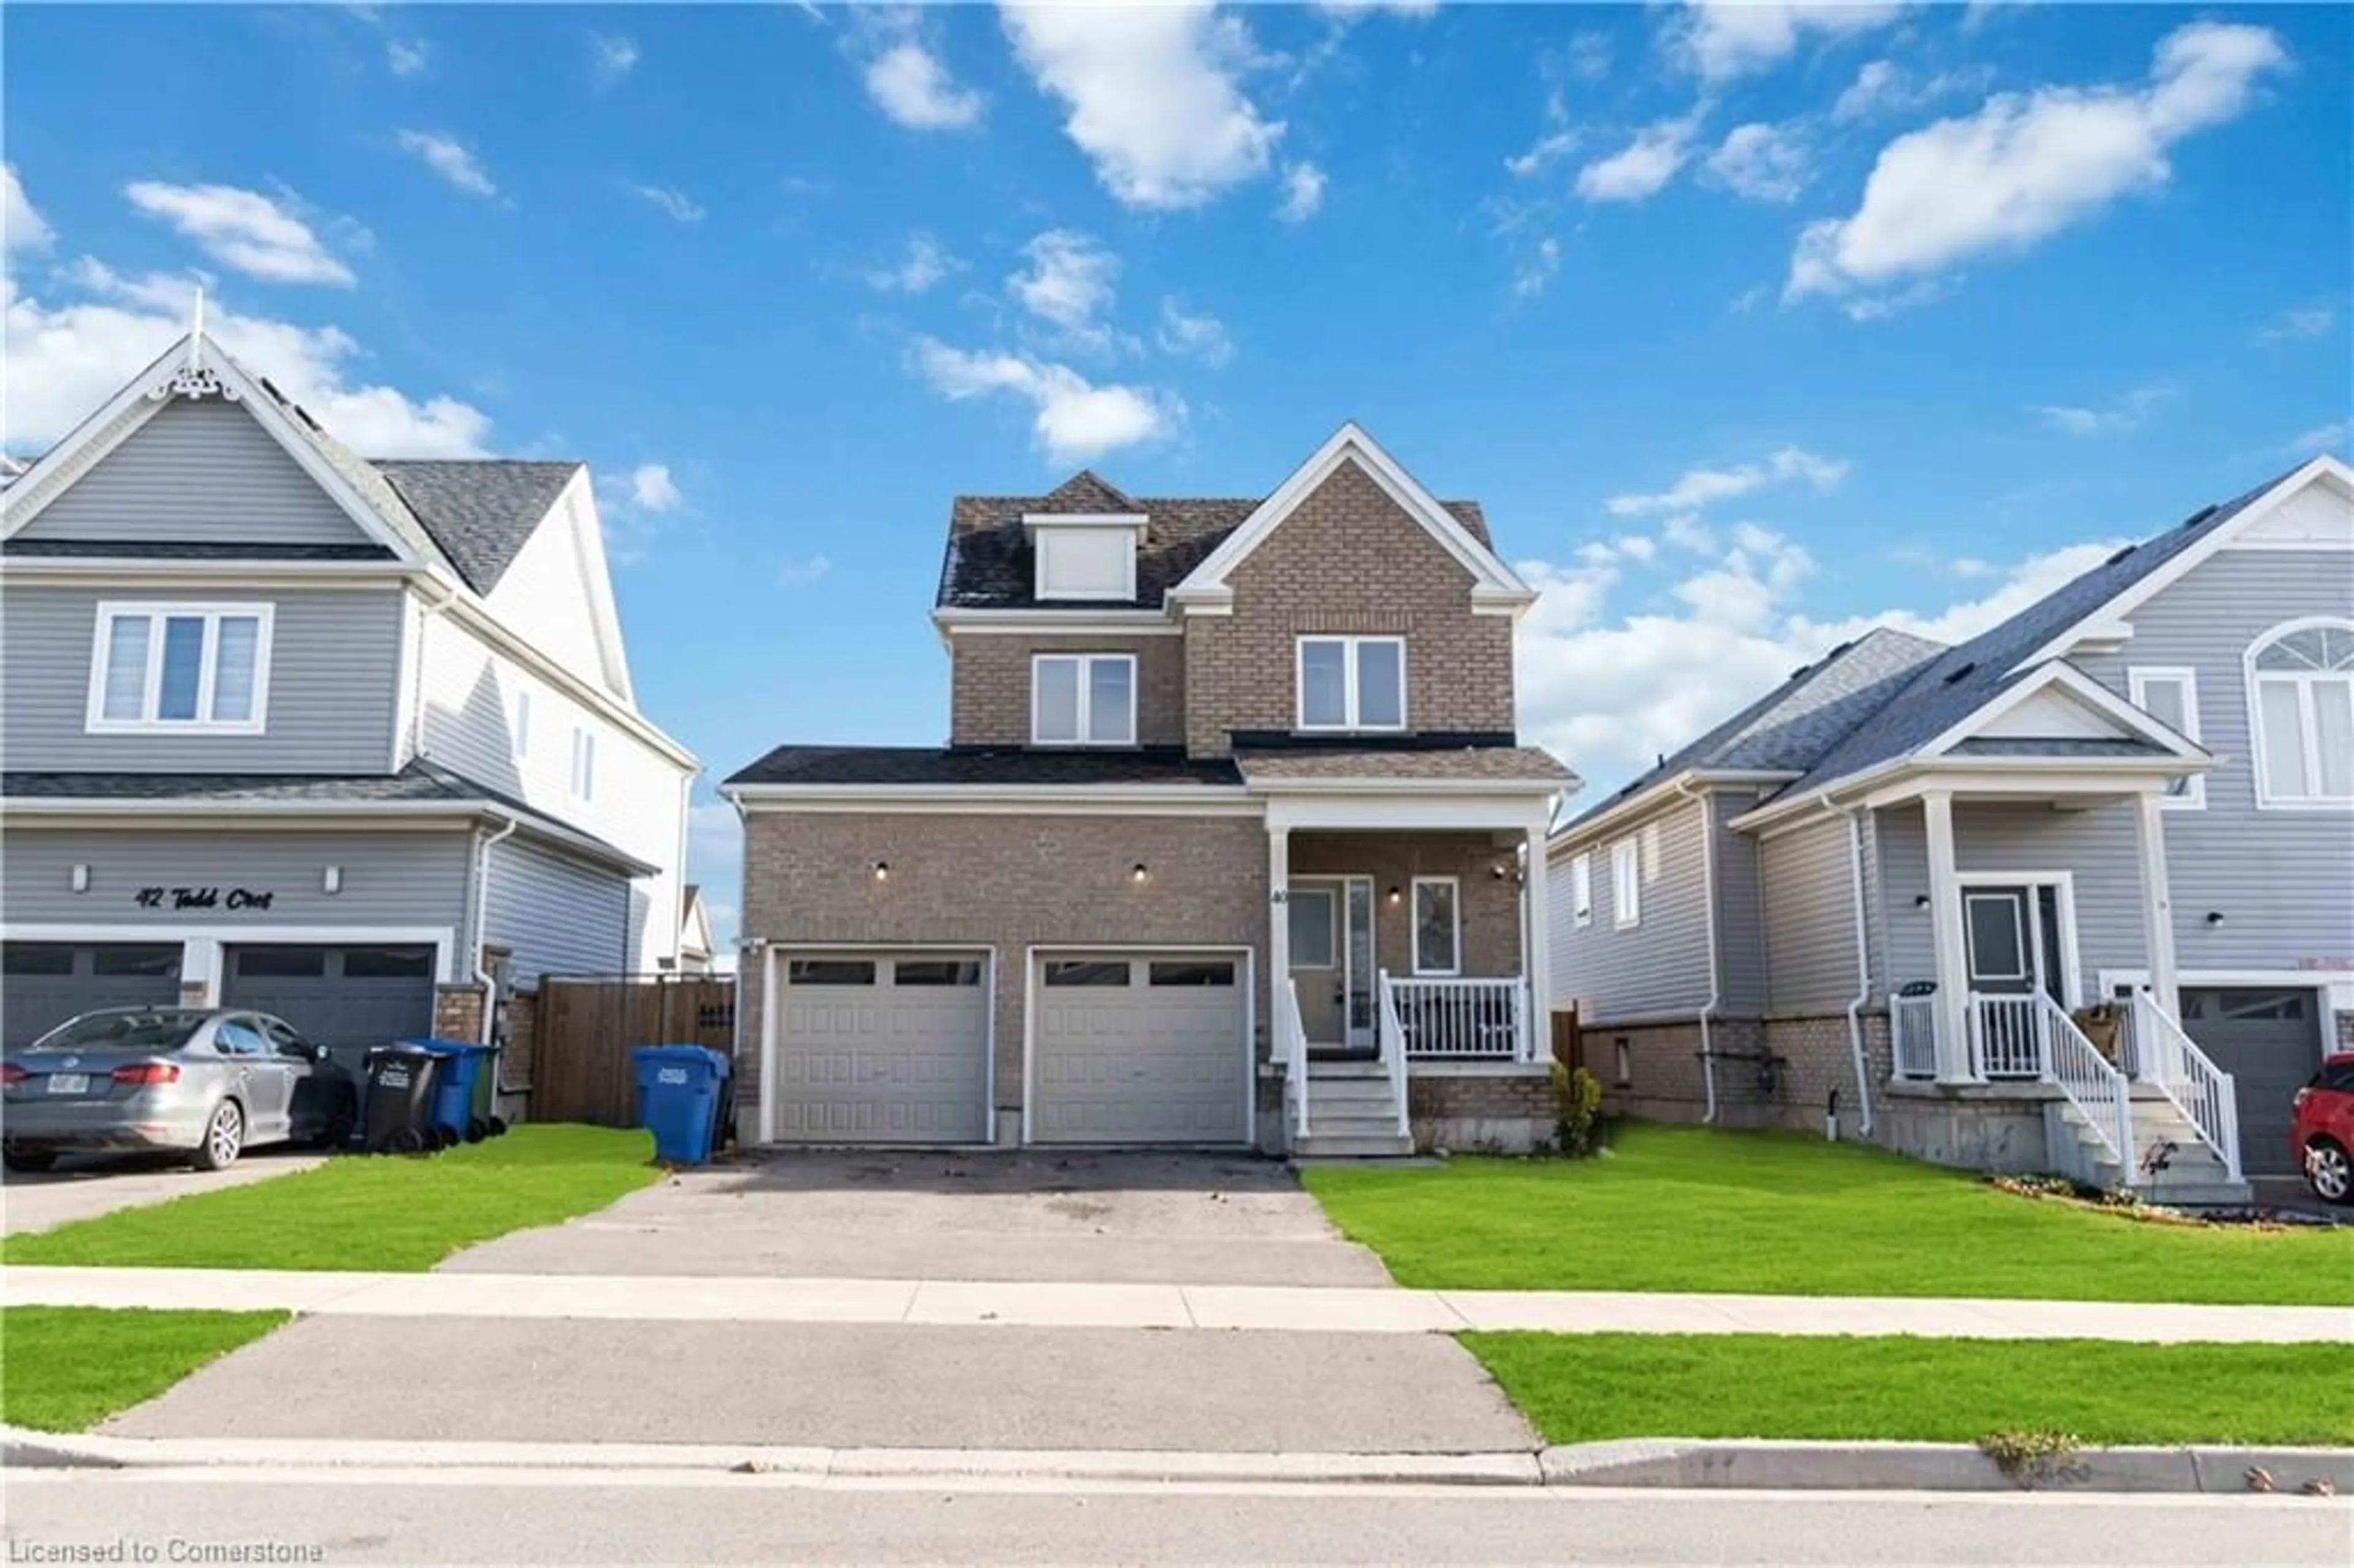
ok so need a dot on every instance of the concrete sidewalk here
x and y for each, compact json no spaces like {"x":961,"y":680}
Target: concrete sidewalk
{"x":1301,"y":1309}
{"x":84,"y":1186}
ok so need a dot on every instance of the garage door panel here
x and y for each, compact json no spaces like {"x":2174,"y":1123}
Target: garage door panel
{"x":880,"y":1062}
{"x":2269,"y":1040}
{"x":42,"y":984}
{"x":1140,"y":1063}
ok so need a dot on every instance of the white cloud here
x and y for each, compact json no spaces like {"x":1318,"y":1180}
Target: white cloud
{"x":611,"y":58}
{"x":1533,"y":275}
{"x":450,"y":159}
{"x":1721,"y":39}
{"x":2336,"y":436}
{"x":1884,"y":86}
{"x":1611,"y":689}
{"x":242,"y":229}
{"x":1075,"y":419}
{"x":1350,"y":10}
{"x":910,"y":85}
{"x":925,"y":264}
{"x":1546,"y":150}
{"x":631,"y":506}
{"x":2027,"y":165}
{"x":1204,"y":338}
{"x":2314,"y":321}
{"x":1155,"y":95}
{"x":21,"y":226}
{"x":1700,"y":487}
{"x":674,"y":203}
{"x":801,"y":573}
{"x":405,"y":57}
{"x":650,"y":488}
{"x":1685,"y":531}
{"x":1069,"y":284}
{"x":1762,"y":162}
{"x":2125,"y":414}
{"x":67,"y":355}
{"x":1303,"y":192}
{"x":1645,"y":164}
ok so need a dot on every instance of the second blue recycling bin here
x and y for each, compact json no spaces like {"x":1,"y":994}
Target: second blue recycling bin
{"x":678,"y":1098}
{"x":452,"y":1111}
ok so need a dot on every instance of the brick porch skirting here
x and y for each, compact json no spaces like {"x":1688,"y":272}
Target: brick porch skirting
{"x":1505,"y":1107}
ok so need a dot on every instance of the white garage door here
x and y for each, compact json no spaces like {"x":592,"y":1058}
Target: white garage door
{"x":1140,"y":1048}
{"x":882,"y":1048}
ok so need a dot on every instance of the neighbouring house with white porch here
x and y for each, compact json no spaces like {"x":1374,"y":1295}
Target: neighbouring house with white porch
{"x":2075,"y":895}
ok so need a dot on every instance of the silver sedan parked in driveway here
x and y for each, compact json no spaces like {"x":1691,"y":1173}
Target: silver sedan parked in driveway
{"x":211,"y":1081}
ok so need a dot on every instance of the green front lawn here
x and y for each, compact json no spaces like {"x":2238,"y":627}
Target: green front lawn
{"x":1682,"y":1208}
{"x":65,"y":1369}
{"x":358,"y":1211}
{"x":1582,"y":1388}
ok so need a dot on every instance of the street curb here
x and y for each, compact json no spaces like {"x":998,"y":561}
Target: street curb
{"x":1763,"y":1466}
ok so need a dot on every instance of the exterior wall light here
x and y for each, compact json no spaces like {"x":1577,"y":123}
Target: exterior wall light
{"x":2214,"y":917}
{"x":1139,"y":872}
{"x":332,"y":882}
{"x":1396,"y":894}
{"x":1920,"y":901}
{"x":81,"y":879}
{"x":882,"y":871}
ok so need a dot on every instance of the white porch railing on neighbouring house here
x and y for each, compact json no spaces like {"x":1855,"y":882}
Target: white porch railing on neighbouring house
{"x":2098,"y":1091}
{"x":1291,"y":1045}
{"x":1913,"y":1035}
{"x":2205,"y":1094}
{"x":1389,"y":1033}
{"x":1465,"y":1019}
{"x":2006,"y":1034}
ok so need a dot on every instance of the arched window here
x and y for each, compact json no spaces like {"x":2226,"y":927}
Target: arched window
{"x":2301,"y":694}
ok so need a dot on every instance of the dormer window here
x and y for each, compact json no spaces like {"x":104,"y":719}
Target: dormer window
{"x":1083,"y":699}
{"x":1085,"y":555}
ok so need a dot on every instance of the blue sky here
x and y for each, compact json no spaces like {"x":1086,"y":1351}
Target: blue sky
{"x":1749,"y":326}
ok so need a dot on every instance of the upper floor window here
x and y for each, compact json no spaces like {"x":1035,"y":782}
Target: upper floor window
{"x":164,"y":668}
{"x":1083,"y":699}
{"x":584,"y":764}
{"x":1581,"y":891}
{"x":1626,"y":883}
{"x":2170,"y":695}
{"x":1352,"y":683}
{"x":2301,"y":689}
{"x":519,"y":723}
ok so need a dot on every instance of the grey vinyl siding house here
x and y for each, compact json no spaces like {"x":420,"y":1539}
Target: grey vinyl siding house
{"x":2071,"y":895}
{"x":231,"y":769}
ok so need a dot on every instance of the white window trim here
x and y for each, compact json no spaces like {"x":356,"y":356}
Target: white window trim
{"x":583,"y":781}
{"x":1349,"y":725}
{"x":1455,"y":917}
{"x":2020,"y":941}
{"x":2251,"y":679}
{"x":2194,"y":794}
{"x":1042,"y":526}
{"x":1626,"y":885}
{"x":1086,"y":683}
{"x":155,"y":611}
{"x":1581,"y":891}
{"x":519,"y":706}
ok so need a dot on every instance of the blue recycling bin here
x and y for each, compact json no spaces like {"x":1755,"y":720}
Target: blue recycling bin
{"x":452,"y":1115}
{"x":678,"y":1098}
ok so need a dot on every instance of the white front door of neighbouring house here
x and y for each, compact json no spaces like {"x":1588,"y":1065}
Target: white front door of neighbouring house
{"x":2013,"y":938}
{"x":1333,"y":958}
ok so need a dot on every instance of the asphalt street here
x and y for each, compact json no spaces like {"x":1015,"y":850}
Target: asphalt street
{"x":604,"y":1517}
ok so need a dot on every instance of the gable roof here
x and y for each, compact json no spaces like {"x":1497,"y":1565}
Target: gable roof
{"x":479,"y":510}
{"x":991,"y":563}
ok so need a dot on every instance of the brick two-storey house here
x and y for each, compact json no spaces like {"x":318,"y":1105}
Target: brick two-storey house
{"x":1232,"y":840}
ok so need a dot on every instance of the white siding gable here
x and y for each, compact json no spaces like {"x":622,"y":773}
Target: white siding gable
{"x":2315,"y":518}
{"x":2053,"y":715}
{"x":556,"y":594}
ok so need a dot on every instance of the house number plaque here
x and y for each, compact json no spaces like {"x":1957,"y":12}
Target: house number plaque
{"x":203,"y":899}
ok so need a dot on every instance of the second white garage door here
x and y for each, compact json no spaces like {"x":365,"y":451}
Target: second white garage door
{"x":1140,"y":1048}
{"x":882,"y":1048}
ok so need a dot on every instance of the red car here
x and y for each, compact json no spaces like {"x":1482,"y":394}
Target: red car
{"x":2321,"y":1129}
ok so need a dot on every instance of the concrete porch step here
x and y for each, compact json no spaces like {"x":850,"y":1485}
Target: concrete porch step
{"x":2215,"y":1194}
{"x":1340,"y":1072}
{"x":1352,"y":1124}
{"x":1351,"y":1146}
{"x":1351,"y":1092}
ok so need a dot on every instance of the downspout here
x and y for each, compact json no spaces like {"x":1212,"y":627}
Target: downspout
{"x":1854,"y":815}
{"x":483,"y":919}
{"x":1708,"y":923}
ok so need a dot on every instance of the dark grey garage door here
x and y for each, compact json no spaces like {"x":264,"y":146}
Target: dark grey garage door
{"x":2270,"y":1041}
{"x":346,"y":999}
{"x":42,"y":984}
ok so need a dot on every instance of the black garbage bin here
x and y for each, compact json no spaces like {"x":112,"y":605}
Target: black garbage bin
{"x":399,"y":1097}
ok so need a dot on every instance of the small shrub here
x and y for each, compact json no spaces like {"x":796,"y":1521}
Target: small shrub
{"x":1576,"y":1102}
{"x":2034,"y":1454}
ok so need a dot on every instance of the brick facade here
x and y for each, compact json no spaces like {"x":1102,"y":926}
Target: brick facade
{"x":1001,"y":883}
{"x":988,"y":677}
{"x":1347,"y":559}
{"x":1491,"y":905}
{"x":1510,"y":1109}
{"x":458,"y":1012}
{"x":1664,"y":1081}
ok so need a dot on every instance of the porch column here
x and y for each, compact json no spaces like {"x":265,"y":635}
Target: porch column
{"x":2157,"y":902}
{"x":1536,"y":947}
{"x":1945,"y":931}
{"x":1278,"y":928}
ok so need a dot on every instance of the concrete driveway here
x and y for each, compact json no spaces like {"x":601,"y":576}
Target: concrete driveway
{"x":82,"y":1187}
{"x":1118,"y":1218}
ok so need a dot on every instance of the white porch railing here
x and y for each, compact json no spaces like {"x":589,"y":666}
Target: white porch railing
{"x":2098,"y":1091}
{"x":1913,"y":1034}
{"x":1389,"y":1033}
{"x":2205,"y":1094}
{"x":1463,"y":1020}
{"x":2007,"y":1034}
{"x":1291,"y":1044}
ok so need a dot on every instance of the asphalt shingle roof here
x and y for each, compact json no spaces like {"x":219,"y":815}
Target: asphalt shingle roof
{"x":479,"y":510}
{"x":1469,"y":763}
{"x":851,"y":765}
{"x":990,"y":564}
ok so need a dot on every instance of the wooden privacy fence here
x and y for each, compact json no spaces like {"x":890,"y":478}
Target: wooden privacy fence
{"x":585,"y":1029}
